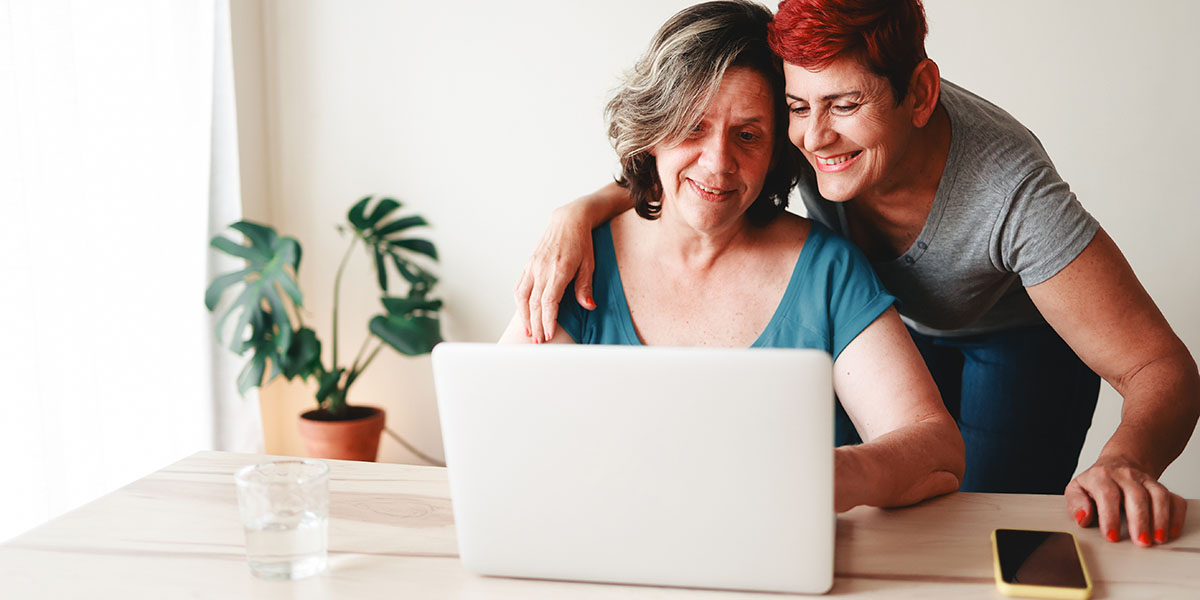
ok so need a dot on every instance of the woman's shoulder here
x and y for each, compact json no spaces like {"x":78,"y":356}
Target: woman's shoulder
{"x":788,"y":228}
{"x":622,"y":224}
{"x":990,"y":139}
{"x":803,"y":230}
{"x":828,"y":249}
{"x":619,"y":233}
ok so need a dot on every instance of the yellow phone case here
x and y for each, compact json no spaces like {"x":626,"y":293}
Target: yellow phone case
{"x":1042,"y":591}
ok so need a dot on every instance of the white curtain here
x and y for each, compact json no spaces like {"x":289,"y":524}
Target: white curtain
{"x":237,"y":422}
{"x":117,"y":160}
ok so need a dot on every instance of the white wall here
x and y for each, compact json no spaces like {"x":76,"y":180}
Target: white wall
{"x":483,"y":116}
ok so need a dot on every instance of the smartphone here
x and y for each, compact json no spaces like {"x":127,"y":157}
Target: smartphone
{"x":1039,"y":564}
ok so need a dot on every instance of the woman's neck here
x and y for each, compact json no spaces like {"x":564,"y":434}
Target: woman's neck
{"x":886,"y":221}
{"x":680,"y":245}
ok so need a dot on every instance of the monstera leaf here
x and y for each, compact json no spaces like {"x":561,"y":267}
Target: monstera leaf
{"x":409,"y":325}
{"x":263,"y":324}
{"x":303,"y":357}
{"x":388,"y":240}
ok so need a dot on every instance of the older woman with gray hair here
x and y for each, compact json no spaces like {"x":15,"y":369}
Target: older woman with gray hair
{"x":708,"y":256}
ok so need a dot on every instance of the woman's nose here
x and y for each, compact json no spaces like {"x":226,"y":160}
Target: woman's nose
{"x":819,"y":134}
{"x":716,"y":155}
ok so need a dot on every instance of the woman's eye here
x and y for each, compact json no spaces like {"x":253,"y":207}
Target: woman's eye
{"x":845,"y":108}
{"x":799,"y":110}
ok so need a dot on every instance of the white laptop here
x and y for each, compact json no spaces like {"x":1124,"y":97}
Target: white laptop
{"x":692,"y":467}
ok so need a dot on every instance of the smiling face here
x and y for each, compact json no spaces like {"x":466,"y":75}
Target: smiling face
{"x":717,"y":172}
{"x":845,"y":121}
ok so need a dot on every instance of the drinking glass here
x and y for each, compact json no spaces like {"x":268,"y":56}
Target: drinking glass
{"x":285,"y":513}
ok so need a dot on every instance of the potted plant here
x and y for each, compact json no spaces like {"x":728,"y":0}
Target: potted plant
{"x":270,"y":328}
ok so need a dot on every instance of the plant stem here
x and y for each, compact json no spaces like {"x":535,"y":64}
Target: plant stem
{"x":354,"y":365}
{"x":371,"y":357}
{"x":337,"y":289}
{"x":353,"y":374}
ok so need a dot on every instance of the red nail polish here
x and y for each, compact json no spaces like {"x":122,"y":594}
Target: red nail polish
{"x":527,"y":334}
{"x":1160,"y":535}
{"x":1175,"y":531}
{"x":1112,"y":535}
{"x":1080,"y":515}
{"x":1144,"y":538}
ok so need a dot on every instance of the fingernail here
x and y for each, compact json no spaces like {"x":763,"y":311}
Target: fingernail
{"x":1160,"y":535}
{"x":1144,"y":538}
{"x":1175,"y":531}
{"x":548,"y":336}
{"x":591,"y":302}
{"x":1080,"y":515}
{"x":1112,"y":535}
{"x":527,"y":334}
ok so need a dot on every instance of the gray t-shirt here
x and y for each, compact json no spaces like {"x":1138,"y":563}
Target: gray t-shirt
{"x":1002,"y":219}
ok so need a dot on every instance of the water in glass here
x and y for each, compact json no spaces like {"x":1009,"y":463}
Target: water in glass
{"x":287,"y":547}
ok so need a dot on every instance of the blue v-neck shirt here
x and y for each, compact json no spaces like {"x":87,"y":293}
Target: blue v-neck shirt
{"x":832,"y":296}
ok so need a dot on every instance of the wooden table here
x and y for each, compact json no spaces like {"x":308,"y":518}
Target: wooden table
{"x":176,"y":534}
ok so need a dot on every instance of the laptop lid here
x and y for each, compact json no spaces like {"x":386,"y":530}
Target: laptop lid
{"x":692,"y":467}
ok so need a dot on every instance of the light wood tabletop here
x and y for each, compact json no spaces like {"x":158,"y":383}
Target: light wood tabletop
{"x":176,"y":534}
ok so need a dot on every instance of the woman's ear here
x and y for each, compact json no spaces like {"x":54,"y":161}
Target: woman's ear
{"x":924,"y":89}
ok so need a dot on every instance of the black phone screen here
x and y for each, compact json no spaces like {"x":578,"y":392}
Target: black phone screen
{"x":1039,"y":558}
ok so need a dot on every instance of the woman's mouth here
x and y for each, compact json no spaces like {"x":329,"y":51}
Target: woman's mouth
{"x":710,"y":193}
{"x":837,"y":162}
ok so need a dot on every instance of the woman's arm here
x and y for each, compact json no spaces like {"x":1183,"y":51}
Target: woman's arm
{"x":911,"y":448}
{"x":565,"y":253}
{"x":1102,"y":311}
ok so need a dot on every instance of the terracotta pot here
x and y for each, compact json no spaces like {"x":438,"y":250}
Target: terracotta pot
{"x":356,"y":438}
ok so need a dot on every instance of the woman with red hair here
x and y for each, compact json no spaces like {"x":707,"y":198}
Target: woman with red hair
{"x":1017,"y":299}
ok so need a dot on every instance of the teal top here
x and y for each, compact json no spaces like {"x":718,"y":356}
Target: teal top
{"x":832,"y":296}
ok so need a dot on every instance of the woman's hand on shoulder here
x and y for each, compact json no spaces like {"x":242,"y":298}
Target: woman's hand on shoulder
{"x":564,"y":253}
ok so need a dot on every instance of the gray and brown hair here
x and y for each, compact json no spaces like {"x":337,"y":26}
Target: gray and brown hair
{"x":666,"y":93}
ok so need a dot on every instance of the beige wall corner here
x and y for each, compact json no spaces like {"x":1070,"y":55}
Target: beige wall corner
{"x":281,"y":403}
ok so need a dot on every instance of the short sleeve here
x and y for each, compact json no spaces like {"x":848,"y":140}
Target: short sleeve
{"x":855,"y":295}
{"x":1043,"y":228}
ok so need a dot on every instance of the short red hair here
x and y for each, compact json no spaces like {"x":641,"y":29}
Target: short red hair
{"x":888,"y":36}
